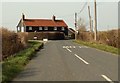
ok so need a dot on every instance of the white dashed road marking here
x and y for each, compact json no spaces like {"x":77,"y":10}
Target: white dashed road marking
{"x":70,"y":46}
{"x":69,"y":50}
{"x":79,"y":46}
{"x":67,"y":47}
{"x":81,"y":59}
{"x":106,"y":78}
{"x":73,"y":46}
{"x":64,"y":46}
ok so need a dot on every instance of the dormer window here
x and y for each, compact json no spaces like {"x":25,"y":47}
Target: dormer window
{"x":55,"y":28}
{"x":30,"y":28}
{"x":46,"y":28}
{"x":63,"y":28}
{"x":40,"y":28}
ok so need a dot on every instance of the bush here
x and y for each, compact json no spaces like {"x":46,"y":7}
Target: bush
{"x":13,"y":65}
{"x":85,"y":36}
{"x":11,"y":43}
{"x":0,"y":44}
{"x":110,"y":38}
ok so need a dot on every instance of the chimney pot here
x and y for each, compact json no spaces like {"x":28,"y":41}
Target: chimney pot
{"x":23,"y":16}
{"x":53,"y":18}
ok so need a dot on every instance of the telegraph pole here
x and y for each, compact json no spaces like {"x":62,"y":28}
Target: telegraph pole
{"x":90,"y":19}
{"x":95,"y":12}
{"x":92,"y":24}
{"x":75,"y":26}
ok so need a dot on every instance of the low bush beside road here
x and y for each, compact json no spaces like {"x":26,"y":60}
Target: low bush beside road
{"x":14,"y":64}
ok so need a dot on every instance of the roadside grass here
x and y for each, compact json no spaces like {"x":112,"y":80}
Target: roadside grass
{"x":15,"y":64}
{"x":99,"y":46}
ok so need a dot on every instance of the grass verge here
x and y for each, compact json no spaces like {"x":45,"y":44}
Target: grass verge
{"x":15,"y":64}
{"x":99,"y":46}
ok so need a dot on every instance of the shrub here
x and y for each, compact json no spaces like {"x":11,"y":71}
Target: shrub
{"x":85,"y":36}
{"x":0,"y":44}
{"x":110,"y":38}
{"x":11,"y":43}
{"x":23,"y":37}
{"x":14,"y":65}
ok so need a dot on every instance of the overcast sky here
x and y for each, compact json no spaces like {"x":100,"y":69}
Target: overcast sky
{"x":107,"y":12}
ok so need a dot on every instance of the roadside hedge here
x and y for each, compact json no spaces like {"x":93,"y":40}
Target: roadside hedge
{"x":12,"y":42}
{"x":14,"y":64}
{"x":111,"y":37}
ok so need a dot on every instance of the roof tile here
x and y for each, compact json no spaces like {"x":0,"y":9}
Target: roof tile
{"x":44,"y":22}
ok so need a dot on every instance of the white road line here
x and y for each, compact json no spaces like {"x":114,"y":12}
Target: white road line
{"x":73,"y":46}
{"x":79,"y":46}
{"x":67,"y":46}
{"x":70,"y":46}
{"x":81,"y":59}
{"x":64,"y":46}
{"x":106,"y":78}
{"x":69,"y":50}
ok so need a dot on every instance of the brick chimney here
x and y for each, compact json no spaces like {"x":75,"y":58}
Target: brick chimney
{"x":53,"y":18}
{"x":23,"y":16}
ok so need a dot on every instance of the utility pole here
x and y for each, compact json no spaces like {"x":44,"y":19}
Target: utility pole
{"x":90,"y":19}
{"x":92,"y":24}
{"x":75,"y":26}
{"x":95,"y":12}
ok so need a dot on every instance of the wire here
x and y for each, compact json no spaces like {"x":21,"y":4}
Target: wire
{"x":83,"y":8}
{"x":66,"y":15}
{"x":73,"y":14}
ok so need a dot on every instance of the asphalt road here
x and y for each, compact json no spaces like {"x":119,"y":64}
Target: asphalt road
{"x":65,"y":60}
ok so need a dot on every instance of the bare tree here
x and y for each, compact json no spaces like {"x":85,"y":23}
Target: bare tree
{"x":81,"y":25}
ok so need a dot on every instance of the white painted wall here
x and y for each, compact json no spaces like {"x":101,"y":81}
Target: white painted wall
{"x":22,"y":29}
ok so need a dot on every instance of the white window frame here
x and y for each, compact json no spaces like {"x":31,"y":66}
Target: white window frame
{"x":45,"y":28}
{"x":63,"y":28}
{"x":30,"y":28}
{"x":40,"y":28}
{"x":55,"y":28}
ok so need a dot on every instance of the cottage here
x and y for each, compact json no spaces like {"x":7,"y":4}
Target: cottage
{"x":42,"y":26}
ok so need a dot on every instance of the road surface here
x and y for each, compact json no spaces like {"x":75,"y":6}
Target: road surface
{"x":65,"y":60}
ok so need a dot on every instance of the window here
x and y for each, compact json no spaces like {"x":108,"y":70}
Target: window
{"x":63,"y":28}
{"x":40,"y":28}
{"x":30,"y":28}
{"x":55,"y":28}
{"x":46,"y":28}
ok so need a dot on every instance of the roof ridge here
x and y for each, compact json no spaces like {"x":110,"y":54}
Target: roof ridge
{"x":42,"y":19}
{"x":44,"y":22}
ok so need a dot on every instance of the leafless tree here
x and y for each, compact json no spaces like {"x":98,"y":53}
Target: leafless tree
{"x":81,"y":25}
